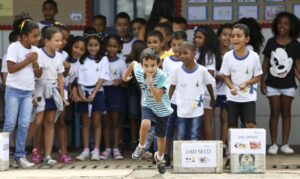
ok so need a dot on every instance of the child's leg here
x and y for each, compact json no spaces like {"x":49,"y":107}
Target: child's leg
{"x":196,"y":125}
{"x":85,"y":130}
{"x":97,"y":128}
{"x":224,"y":129}
{"x":286,"y":103}
{"x":181,"y":128}
{"x":116,"y":128}
{"x":60,"y":126}
{"x":233,"y":113}
{"x":161,"y":143}
{"x":274,"y":102}
{"x":35,"y":125}
{"x":49,"y":123}
{"x":248,"y":113}
{"x":170,"y":129}
{"x":106,"y":131}
{"x":145,"y":126}
{"x":208,"y":124}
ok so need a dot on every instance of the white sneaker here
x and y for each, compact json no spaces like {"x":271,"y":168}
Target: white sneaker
{"x":83,"y":156}
{"x":23,"y":163}
{"x":49,"y":161}
{"x":286,"y":149}
{"x":273,"y":149}
{"x":106,"y":154}
{"x":95,"y":156}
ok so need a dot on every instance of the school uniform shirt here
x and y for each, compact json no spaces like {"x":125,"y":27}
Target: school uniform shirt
{"x":74,"y":68}
{"x":221,"y":85}
{"x":170,"y":64}
{"x":43,"y":24}
{"x":162,"y":108}
{"x":64,"y":55}
{"x":116,"y":69}
{"x":52,"y":66}
{"x":127,"y":46}
{"x":281,"y":65}
{"x":90,"y":71}
{"x":241,"y":70}
{"x":190,"y":85}
{"x":23,"y":79}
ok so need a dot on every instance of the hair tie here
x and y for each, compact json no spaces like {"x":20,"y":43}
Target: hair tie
{"x":58,"y":23}
{"x":85,"y":36}
{"x":21,"y":26}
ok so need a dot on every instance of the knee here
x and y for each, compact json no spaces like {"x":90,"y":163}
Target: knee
{"x":49,"y":123}
{"x":146,"y":124}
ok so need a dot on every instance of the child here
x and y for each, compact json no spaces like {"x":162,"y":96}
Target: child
{"x":242,"y":70}
{"x":137,"y":25}
{"x":133,"y":96}
{"x":188,"y":80}
{"x":156,"y":105}
{"x":122,"y":25}
{"x":91,"y":75}
{"x":208,"y":56}
{"x":23,"y":66}
{"x":99,"y":23}
{"x":170,"y":64}
{"x":114,"y":94}
{"x":49,"y":10}
{"x":281,"y":61}
{"x":223,"y":34}
{"x":179,"y":24}
{"x":166,"y":31}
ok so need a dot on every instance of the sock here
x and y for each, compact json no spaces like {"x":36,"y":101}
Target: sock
{"x":86,"y":150}
{"x":107,"y":149}
{"x":142,"y":146}
{"x":47,"y":157}
{"x":96,"y":150}
{"x":160,"y":157}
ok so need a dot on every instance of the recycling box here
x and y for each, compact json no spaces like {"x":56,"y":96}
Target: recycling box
{"x":4,"y":151}
{"x":247,"y":150}
{"x":198,"y":157}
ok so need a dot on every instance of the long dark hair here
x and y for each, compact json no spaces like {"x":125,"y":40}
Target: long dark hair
{"x":137,"y":47}
{"x":294,"y":24}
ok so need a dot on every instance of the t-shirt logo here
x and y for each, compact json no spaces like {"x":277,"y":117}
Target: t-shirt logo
{"x":197,"y":84}
{"x":281,"y":64}
{"x":197,"y":103}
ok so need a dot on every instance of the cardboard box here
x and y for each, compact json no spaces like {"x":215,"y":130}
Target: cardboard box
{"x":198,"y":157}
{"x":4,"y":151}
{"x":247,"y":150}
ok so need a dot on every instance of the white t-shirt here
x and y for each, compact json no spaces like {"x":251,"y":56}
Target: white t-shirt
{"x":90,"y":71}
{"x":127,"y":46}
{"x":52,"y":66}
{"x":116,"y":69}
{"x":221,"y":86}
{"x":23,"y":79}
{"x":41,"y":25}
{"x":73,"y":72}
{"x":240,"y":71}
{"x":190,"y":90}
{"x":64,"y":55}
{"x":4,"y":64}
{"x":170,"y":64}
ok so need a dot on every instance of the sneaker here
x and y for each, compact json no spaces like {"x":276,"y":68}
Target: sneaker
{"x":117,"y":154}
{"x":286,"y":149}
{"x":65,"y":159}
{"x":23,"y":163}
{"x":161,"y":164}
{"x":138,"y":153}
{"x":106,"y":154}
{"x":36,"y":158}
{"x":95,"y":156}
{"x":167,"y":159}
{"x":273,"y":149}
{"x":147,"y":155}
{"x":49,"y":161}
{"x":83,"y":156}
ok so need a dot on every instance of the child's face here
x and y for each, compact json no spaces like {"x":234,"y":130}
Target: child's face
{"x":175,"y":44}
{"x":65,"y":39}
{"x":112,"y":48}
{"x":167,"y":38}
{"x":93,"y":47}
{"x":199,"y":39}
{"x":149,"y":66}
{"x":122,"y":27}
{"x":99,"y":25}
{"x":136,"y":27}
{"x":55,"y":42}
{"x":283,"y":26}
{"x":238,"y":39}
{"x":49,"y":12}
{"x":78,"y":49}
{"x":154,"y":43}
{"x":225,"y":37}
{"x":187,"y":55}
{"x":33,"y":37}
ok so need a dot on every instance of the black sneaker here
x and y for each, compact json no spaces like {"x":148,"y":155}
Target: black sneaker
{"x":161,"y":164}
{"x":167,"y":159}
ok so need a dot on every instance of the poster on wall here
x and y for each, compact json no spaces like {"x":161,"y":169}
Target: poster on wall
{"x":224,"y":13}
{"x":197,"y":1}
{"x":296,"y":10}
{"x":241,"y":1}
{"x":248,"y":11}
{"x":272,"y":10}
{"x":197,"y":13}
{"x":6,"y":8}
{"x":222,"y":1}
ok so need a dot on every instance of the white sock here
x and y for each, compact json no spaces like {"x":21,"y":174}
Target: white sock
{"x":142,"y":146}
{"x":160,"y":157}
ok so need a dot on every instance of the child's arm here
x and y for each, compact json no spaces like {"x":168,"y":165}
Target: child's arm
{"x":60,"y":82}
{"x":36,"y":69}
{"x":171,"y":90}
{"x":81,"y":95}
{"x":67,"y":67}
{"x":265,"y":66}
{"x":212,"y":95}
{"x":96,"y":89}
{"x":127,"y":74}
{"x":75,"y":95}
{"x":250,"y":82}
{"x":230,"y":85}
{"x":157,"y":93}
{"x":15,"y":67}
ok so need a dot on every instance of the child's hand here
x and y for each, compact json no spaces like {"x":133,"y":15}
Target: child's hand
{"x":67,"y":64}
{"x":32,"y":56}
{"x":90,"y":98}
{"x":116,"y":82}
{"x":212,"y":102}
{"x":35,"y":102}
{"x":233,"y":91}
{"x":66,"y":102}
{"x":75,"y":98}
{"x":128,"y":78}
{"x":243,"y":86}
{"x":149,"y":78}
{"x":263,"y":88}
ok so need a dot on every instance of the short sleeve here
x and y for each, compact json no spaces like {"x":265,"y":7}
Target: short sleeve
{"x":12,"y":54}
{"x":162,"y":81}
{"x":297,"y":55}
{"x":207,"y":77}
{"x":257,"y":68}
{"x":61,"y":67}
{"x":137,"y":69}
{"x":173,"y":78}
{"x":104,"y":72}
{"x":267,"y":50}
{"x":210,"y":63}
{"x":225,"y":67}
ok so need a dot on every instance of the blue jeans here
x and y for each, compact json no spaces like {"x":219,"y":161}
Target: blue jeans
{"x":189,"y":128}
{"x":18,"y":104}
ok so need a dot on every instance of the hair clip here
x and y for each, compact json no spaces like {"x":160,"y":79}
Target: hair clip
{"x":21,"y":26}
{"x":58,"y":23}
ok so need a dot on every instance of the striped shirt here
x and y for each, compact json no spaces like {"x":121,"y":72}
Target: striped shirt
{"x":162,"y":108}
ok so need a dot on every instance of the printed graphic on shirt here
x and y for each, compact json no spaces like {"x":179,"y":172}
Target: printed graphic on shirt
{"x":281,"y":64}
{"x":197,"y":103}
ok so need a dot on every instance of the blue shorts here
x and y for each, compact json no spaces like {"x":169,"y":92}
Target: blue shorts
{"x":98,"y":104}
{"x":160,"y":123}
{"x":221,"y":101}
{"x":50,"y":105}
{"x":114,"y":99}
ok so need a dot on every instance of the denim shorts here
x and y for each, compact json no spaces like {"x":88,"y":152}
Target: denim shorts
{"x":221,"y":101}
{"x":277,"y":92}
{"x":160,"y":123}
{"x":189,"y":128}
